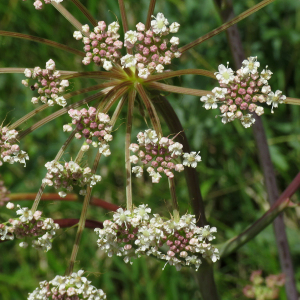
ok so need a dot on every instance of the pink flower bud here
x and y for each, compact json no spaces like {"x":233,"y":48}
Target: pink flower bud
{"x":238,"y":101}
{"x":244,"y":106}
{"x":247,"y":98}
{"x":242,"y":91}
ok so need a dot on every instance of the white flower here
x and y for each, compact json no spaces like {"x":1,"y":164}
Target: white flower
{"x":21,"y":157}
{"x":160,"y":23}
{"x":155,"y":177}
{"x":259,"y":110}
{"x":159,"y":68}
{"x":140,"y":26}
{"x":225,"y":75}
{"x":113,"y":27}
{"x":61,"y":101}
{"x":62,"y":194}
{"x":82,"y":192}
{"x":107,"y":65}
{"x":133,"y":159}
{"x":27,"y":73}
{"x":50,"y":65}
{"x":250,"y":65}
{"x":121,"y":216}
{"x":138,"y":171}
{"x":77,"y":35}
{"x":164,"y":142}
{"x":210,"y":101}
{"x":266,"y":89}
{"x":219,"y":92}
{"x":128,"y":61}
{"x":174,"y":27}
{"x":176,"y":149}
{"x":174,"y":40}
{"x":144,"y":73}
{"x":247,"y":120}
{"x":206,"y":232}
{"x":150,"y":136}
{"x":265,"y":75}
{"x":85,"y":28}
{"x":227,"y":117}
{"x":275,"y":98}
{"x":131,"y":36}
{"x":193,"y":260}
{"x":104,"y":149}
{"x":64,"y":83}
{"x":34,"y":100}
{"x":103,"y":118}
{"x":67,"y":128}
{"x":23,"y":245}
{"x":142,"y":212}
{"x":10,"y":205}
{"x":191,"y":159}
{"x":134,"y":147}
{"x":25,"y":212}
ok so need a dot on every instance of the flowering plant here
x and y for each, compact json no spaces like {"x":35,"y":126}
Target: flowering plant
{"x":128,"y":66}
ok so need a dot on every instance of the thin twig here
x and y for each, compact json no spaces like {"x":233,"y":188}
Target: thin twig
{"x":150,"y":13}
{"x":85,"y":12}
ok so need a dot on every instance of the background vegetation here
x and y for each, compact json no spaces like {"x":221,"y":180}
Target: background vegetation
{"x":230,"y":176}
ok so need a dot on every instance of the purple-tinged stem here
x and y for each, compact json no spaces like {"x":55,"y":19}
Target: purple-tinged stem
{"x":85,"y":12}
{"x":150,"y":13}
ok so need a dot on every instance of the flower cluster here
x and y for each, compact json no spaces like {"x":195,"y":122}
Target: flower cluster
{"x":73,"y":287}
{"x":101,"y":46}
{"x":132,"y":234}
{"x":4,"y":192}
{"x":10,"y":152}
{"x":158,"y":153}
{"x":29,"y":225}
{"x":49,"y":86}
{"x":264,"y":289}
{"x":65,"y":177}
{"x":239,"y":93}
{"x":38,"y":4}
{"x":153,"y":51}
{"x":89,"y":125}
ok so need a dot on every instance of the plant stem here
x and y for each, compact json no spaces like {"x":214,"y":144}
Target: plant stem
{"x":171,"y":74}
{"x":63,"y":223}
{"x":150,"y":13}
{"x":205,"y":275}
{"x":177,"y":89}
{"x":131,"y":98}
{"x":226,"y":25}
{"x":236,"y":46}
{"x":282,"y":202}
{"x":85,"y":12}
{"x":123,"y":15}
{"x":174,"y":200}
{"x":57,"y":157}
{"x":55,"y":197}
{"x":41,"y":40}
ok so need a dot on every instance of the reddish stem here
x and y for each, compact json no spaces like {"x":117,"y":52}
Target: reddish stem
{"x":63,"y":223}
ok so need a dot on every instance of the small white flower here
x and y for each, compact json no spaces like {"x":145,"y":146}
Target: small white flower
{"x":138,"y":171}
{"x":227,"y":117}
{"x":265,"y":75}
{"x":67,"y":128}
{"x":159,"y":68}
{"x":144,"y":73}
{"x":82,"y":192}
{"x":210,"y":101}
{"x":155,"y":177}
{"x":61,"y":101}
{"x":104,"y":118}
{"x":128,"y":61}
{"x":219,"y":92}
{"x":23,"y":245}
{"x":77,"y":35}
{"x":27,"y":73}
{"x":259,"y":110}
{"x":21,"y":157}
{"x":275,"y":98}
{"x":174,"y":27}
{"x":25,"y":212}
{"x":225,"y":75}
{"x":266,"y":89}
{"x":10,"y":205}
{"x":50,"y":65}
{"x":64,"y":83}
{"x":133,"y":159}
{"x":134,"y":147}
{"x":247,"y":120}
{"x":164,"y":142}
{"x":174,"y":41}
{"x":176,"y":149}
{"x":191,"y":159}
{"x":85,"y":148}
{"x":131,"y":36}
{"x":150,"y":136}
{"x":62,"y":194}
{"x":140,"y":26}
{"x":113,"y":27}
{"x":250,"y":65}
{"x":159,"y":24}
{"x":85,"y":28}
{"x":107,"y":65}
{"x":34,"y":100}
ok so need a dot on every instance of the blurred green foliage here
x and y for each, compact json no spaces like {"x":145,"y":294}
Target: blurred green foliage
{"x":230,"y":176}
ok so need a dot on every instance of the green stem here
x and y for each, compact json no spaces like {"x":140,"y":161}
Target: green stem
{"x":41,"y":40}
{"x":177,"y":89}
{"x":171,"y":74}
{"x":57,"y":157}
{"x":226,"y":25}
{"x":174,"y":200}
{"x":131,"y":98}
